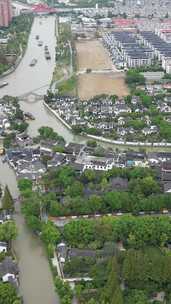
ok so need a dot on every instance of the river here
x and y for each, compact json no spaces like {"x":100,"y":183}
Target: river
{"x":37,"y":79}
{"x":36,"y":284}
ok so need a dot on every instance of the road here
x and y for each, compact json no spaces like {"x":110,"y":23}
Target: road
{"x":63,"y":220}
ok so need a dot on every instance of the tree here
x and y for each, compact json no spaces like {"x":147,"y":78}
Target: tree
{"x":147,"y":268}
{"x":117,"y":297}
{"x":134,"y":78}
{"x":91,"y":143}
{"x":65,"y":176}
{"x":50,"y":233}
{"x":79,"y":233}
{"x":25,"y":184}
{"x":64,"y":291}
{"x":8,"y":231}
{"x":33,"y":223}
{"x":113,"y":292}
{"x":89,"y":175}
{"x":54,"y":208}
{"x":104,"y":184}
{"x":76,"y":189}
{"x":48,"y":133}
{"x":8,"y":294}
{"x":146,"y":100}
{"x":7,"y":200}
{"x":95,"y":203}
{"x":92,"y":301}
{"x":137,"y":297}
{"x":32,"y":204}
{"x":149,"y":186}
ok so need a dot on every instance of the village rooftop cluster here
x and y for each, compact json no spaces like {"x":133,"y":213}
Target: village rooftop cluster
{"x":114,"y":118}
{"x":28,"y":162}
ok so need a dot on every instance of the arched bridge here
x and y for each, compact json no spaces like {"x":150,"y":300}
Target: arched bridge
{"x":33,"y":94}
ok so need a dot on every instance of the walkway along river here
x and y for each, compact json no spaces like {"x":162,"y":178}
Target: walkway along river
{"x":36,"y":284}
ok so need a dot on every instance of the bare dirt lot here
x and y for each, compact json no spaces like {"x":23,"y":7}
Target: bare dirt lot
{"x":90,"y":85}
{"x":92,"y":55}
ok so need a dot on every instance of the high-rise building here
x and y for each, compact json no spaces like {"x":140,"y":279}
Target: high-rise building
{"x":5,"y":12}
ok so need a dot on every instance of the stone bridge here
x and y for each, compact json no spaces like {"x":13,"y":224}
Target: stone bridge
{"x":33,"y":95}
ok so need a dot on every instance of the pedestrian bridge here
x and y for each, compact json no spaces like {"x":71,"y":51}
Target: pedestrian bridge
{"x":34,"y":95}
{"x":31,"y":97}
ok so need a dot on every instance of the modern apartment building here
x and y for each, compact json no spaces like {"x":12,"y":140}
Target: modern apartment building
{"x":5,"y":12}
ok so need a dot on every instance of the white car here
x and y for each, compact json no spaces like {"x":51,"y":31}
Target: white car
{"x":165,"y":211}
{"x":119,"y":213}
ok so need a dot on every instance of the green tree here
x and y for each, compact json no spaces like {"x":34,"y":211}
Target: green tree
{"x":7,"y":200}
{"x":8,"y":231}
{"x":54,"y":208}
{"x":91,"y":143}
{"x":50,"y":233}
{"x":149,"y":186}
{"x":25,"y":184}
{"x":17,"y":302}
{"x":95,"y":203}
{"x":47,"y":133}
{"x":113,"y":292}
{"x":137,"y":297}
{"x":134,"y":78}
{"x":8,"y":294}
{"x":104,"y":184}
{"x":33,"y":223}
{"x":79,"y":233}
{"x":64,"y":291}
{"x":76,"y":189}
{"x":146,"y":100}
{"x":89,"y":175}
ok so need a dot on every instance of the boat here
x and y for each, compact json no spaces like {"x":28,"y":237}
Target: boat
{"x":37,"y":37}
{"x":33,"y":62}
{"x":29,"y":116}
{"x":4,"y":159}
{"x":40,"y":43}
{"x":46,"y":47}
{"x":3,"y":84}
{"x":47,"y":56}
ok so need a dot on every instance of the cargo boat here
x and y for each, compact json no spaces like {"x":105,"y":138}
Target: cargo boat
{"x":33,"y":62}
{"x":3,"y":84}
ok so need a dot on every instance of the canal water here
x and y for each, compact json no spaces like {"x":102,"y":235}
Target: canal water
{"x":36,"y":284}
{"x":37,"y":79}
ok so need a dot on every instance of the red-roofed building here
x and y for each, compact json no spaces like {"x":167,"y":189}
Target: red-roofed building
{"x":43,"y":9}
{"x":165,"y":34}
{"x":121,"y":22}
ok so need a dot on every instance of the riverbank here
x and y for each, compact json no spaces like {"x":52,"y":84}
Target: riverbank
{"x":64,"y":79}
{"x":18,"y":42}
{"x":57,"y":116}
{"x":14,"y":67}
